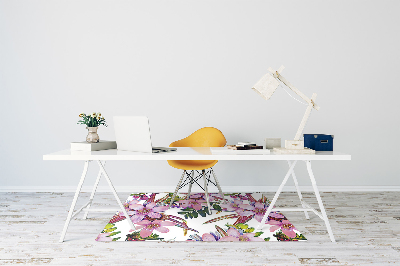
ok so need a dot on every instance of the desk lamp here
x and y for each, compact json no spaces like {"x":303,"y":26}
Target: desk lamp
{"x":266,"y":86}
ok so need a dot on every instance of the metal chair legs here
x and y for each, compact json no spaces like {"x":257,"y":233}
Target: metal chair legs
{"x":190,"y":184}
{"x":218,"y":186}
{"x":191,"y":179}
{"x":206,"y":191}
{"x":177,"y":187}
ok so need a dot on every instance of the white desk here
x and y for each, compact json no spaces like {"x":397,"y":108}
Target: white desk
{"x":194,"y":154}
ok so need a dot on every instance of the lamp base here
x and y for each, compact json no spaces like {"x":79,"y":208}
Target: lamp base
{"x":294,"y":144}
{"x":293,"y":151}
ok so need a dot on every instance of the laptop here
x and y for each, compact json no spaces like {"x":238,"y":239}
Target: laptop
{"x":133,"y":134}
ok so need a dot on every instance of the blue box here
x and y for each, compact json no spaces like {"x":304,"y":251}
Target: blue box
{"x":318,"y":142}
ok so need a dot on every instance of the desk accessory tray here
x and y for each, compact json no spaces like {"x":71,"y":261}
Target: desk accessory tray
{"x":226,"y":150}
{"x":293,"y":151}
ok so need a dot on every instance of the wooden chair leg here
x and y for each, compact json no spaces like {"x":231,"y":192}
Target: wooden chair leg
{"x":206,"y":191}
{"x":177,"y":187}
{"x":190,"y":184}
{"x":219,"y":187}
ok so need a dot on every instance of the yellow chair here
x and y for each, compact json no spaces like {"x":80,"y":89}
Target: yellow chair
{"x":204,"y":137}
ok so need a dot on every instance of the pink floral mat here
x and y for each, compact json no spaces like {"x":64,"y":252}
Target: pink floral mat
{"x":187,"y":219}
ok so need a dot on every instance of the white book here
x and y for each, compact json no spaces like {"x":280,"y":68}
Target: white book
{"x":86,"y":146}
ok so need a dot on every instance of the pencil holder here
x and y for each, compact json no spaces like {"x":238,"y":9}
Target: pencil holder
{"x":271,"y":143}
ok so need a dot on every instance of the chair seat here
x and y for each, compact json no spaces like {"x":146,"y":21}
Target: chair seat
{"x":204,"y":137}
{"x":192,"y":164}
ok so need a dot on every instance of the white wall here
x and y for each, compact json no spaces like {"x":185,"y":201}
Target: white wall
{"x":189,"y":64}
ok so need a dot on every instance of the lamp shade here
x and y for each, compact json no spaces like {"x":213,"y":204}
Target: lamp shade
{"x":266,"y":86}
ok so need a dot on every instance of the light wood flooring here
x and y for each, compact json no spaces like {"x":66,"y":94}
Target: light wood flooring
{"x":366,"y":226}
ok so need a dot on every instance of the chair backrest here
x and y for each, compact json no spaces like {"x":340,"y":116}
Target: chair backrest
{"x":204,"y":137}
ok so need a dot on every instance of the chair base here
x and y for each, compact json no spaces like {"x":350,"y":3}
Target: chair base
{"x":191,"y":179}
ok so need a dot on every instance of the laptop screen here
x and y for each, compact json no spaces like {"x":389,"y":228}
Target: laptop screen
{"x":132,"y":133}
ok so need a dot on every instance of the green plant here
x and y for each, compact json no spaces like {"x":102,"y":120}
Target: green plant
{"x":192,"y":213}
{"x":93,"y":120}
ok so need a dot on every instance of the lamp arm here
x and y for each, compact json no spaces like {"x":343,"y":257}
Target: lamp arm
{"x":305,"y":117}
{"x":293,"y":88}
{"x":311,"y":102}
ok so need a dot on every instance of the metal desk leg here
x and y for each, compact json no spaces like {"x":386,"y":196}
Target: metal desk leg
{"x":132,"y":226}
{"x":321,"y":205}
{"x":93,"y":192}
{"x":71,"y":210}
{"x":260,"y":226}
{"x":298,"y":191}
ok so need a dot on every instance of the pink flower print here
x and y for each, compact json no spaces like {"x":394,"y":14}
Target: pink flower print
{"x":240,"y":196}
{"x":235,"y":205}
{"x":133,"y":204}
{"x":209,"y":237}
{"x":245,"y":210}
{"x":128,"y":205}
{"x":192,"y":203}
{"x":215,"y":197}
{"x":211,"y":196}
{"x":148,"y":227}
{"x":244,"y":213}
{"x":258,"y":211}
{"x":197,"y":196}
{"x":150,"y":210}
{"x":141,"y":196}
{"x":285,"y":226}
{"x":104,"y":237}
{"x":276,"y":215}
{"x":118,"y":217}
{"x":235,"y":235}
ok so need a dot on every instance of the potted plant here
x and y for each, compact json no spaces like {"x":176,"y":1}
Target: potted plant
{"x":92,"y":123}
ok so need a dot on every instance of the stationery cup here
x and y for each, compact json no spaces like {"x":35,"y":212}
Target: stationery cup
{"x":271,"y":143}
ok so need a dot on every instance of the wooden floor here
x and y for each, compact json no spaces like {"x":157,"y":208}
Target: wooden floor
{"x":366,"y":226}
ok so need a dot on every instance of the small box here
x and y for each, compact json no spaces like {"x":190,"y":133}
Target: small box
{"x":318,"y":142}
{"x":271,"y":143}
{"x":294,"y":144}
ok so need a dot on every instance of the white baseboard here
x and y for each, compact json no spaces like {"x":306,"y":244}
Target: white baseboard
{"x":131,"y":189}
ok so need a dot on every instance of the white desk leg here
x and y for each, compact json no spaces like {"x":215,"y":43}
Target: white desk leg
{"x":93,"y":192}
{"x":299,"y":192}
{"x":132,"y":226}
{"x":71,"y":210}
{"x":260,"y":226}
{"x":206,"y":191}
{"x":321,"y":205}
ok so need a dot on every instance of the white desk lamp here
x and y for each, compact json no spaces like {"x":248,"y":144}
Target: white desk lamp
{"x":266,"y":86}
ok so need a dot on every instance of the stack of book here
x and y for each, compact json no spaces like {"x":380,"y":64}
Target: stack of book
{"x":98,"y":146}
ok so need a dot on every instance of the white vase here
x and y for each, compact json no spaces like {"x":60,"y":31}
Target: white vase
{"x":92,"y":136}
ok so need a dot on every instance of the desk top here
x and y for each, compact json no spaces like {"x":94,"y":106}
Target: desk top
{"x":186,"y":153}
